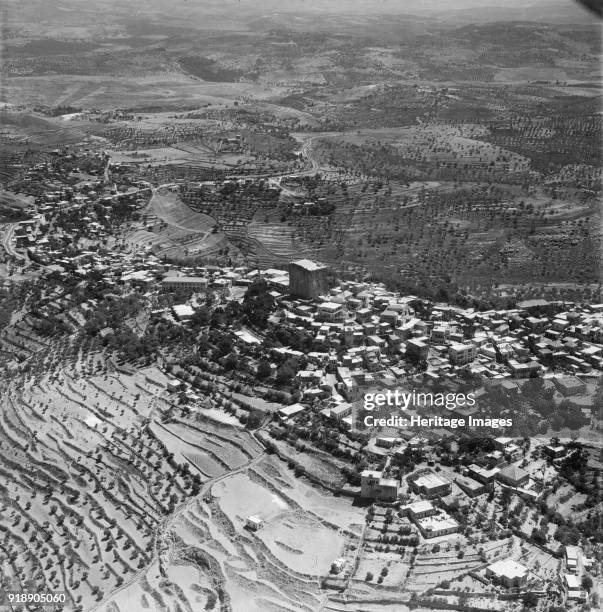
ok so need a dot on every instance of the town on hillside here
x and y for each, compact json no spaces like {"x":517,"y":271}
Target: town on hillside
{"x":469,"y":515}
{"x":301,"y":306}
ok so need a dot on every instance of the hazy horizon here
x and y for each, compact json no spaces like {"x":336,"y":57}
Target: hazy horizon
{"x":465,"y":10}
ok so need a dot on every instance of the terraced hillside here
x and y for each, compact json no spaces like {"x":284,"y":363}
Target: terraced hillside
{"x":470,"y":233}
{"x":280,"y":240}
{"x":104,"y":498}
{"x":209,"y":560}
{"x":171,"y":228}
{"x":89,"y":475}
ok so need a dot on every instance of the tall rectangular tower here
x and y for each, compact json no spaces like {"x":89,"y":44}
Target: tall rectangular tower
{"x":307,"y":278}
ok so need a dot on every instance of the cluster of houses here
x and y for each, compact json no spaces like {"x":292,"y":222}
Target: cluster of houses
{"x":365,"y":336}
{"x":500,"y":465}
{"x":434,"y":496}
{"x":575,"y":563}
{"x":472,"y":481}
{"x":360,"y":331}
{"x":362,"y":336}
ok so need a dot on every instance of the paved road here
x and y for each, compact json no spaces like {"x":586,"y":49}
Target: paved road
{"x":6,"y":241}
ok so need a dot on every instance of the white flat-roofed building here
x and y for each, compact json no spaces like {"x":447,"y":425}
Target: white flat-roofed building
{"x":273,"y":272}
{"x":431,"y":485}
{"x":331,"y":311}
{"x":481,"y":474}
{"x":247,"y":337}
{"x":183,"y":312}
{"x":374,"y":486}
{"x":174,"y":385}
{"x":572,"y":556}
{"x":502,"y":443}
{"x":555,"y":452}
{"x":575,"y":595}
{"x":417,"y":349}
{"x":290,"y":411}
{"x":141,"y":277}
{"x":388,"y":489}
{"x":386,"y":442}
{"x":462,"y":354}
{"x":572,"y":582}
{"x":363,"y":315}
{"x":341,"y":411}
{"x":472,"y":487}
{"x":437,"y":525}
{"x":524,"y":370}
{"x":440,"y":333}
{"x":253,"y":523}
{"x":338,"y":565}
{"x":509,"y":572}
{"x":198,"y":283}
{"x":420,"y":509}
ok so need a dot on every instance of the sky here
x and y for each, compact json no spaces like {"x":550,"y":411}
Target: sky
{"x":461,"y":11}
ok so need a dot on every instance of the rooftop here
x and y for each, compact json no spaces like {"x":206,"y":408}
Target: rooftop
{"x":430,"y":481}
{"x":573,"y":583}
{"x":185,"y":279}
{"x":308,"y":264}
{"x":291,"y":410}
{"x":438,"y":522}
{"x":183,"y":310}
{"x":483,"y":471}
{"x":508,"y":568}
{"x":469,"y":483}
{"x":420,"y":506}
{"x":330,"y":306}
{"x":513,"y":472}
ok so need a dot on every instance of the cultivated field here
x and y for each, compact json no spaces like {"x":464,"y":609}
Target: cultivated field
{"x":171,"y":228}
{"x":210,"y":555}
{"x":90,"y":473}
